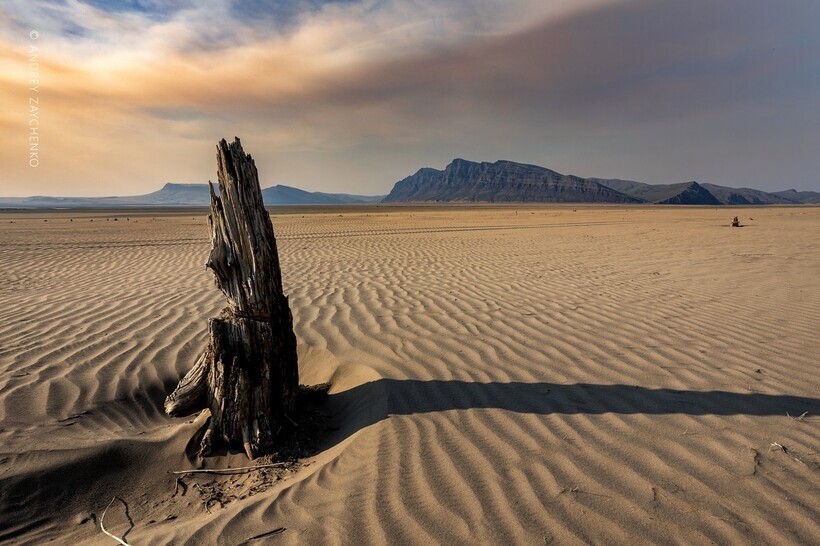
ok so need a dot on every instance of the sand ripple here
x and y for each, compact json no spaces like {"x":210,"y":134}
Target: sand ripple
{"x":500,"y":375}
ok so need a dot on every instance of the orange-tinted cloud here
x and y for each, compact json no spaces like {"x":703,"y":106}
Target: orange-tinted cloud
{"x":351,"y":96}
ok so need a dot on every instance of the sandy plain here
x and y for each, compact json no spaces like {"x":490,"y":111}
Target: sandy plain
{"x":518,"y":374}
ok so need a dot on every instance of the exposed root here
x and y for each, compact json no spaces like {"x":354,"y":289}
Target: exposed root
{"x":190,"y":394}
{"x":218,"y":487}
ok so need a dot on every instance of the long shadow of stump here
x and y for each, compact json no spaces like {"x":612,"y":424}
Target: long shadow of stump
{"x":407,"y":397}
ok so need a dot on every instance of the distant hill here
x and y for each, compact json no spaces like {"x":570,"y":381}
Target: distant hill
{"x":173,"y":194}
{"x":501,"y":182}
{"x":508,"y":182}
{"x":460,"y":181}
{"x":747,"y":196}
{"x":687,"y":193}
{"x":286,"y":195}
{"x":176,"y":195}
{"x":808,"y":197}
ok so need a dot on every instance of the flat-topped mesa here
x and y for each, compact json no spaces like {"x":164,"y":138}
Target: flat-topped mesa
{"x":248,"y":375}
{"x":501,"y":182}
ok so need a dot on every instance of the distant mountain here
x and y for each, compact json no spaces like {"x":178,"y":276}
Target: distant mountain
{"x":460,"y":181}
{"x":690,"y":193}
{"x":176,"y":195}
{"x":508,"y":182}
{"x":286,"y":195}
{"x":687,"y":193}
{"x":807,"y":197}
{"x":501,"y":182}
{"x":747,"y":196}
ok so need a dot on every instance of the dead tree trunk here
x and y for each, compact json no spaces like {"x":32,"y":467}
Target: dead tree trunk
{"x":248,"y":376}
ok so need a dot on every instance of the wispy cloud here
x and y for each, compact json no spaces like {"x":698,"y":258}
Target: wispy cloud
{"x":352,"y":95}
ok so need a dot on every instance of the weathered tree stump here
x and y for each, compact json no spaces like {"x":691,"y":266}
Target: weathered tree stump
{"x":248,"y":376}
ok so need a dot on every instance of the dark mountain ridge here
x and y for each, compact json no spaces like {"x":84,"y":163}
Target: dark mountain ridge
{"x":508,"y":182}
{"x":460,"y":181}
{"x":686,"y":193}
{"x":808,"y":197}
{"x":746,"y":196}
{"x":500,"y":182}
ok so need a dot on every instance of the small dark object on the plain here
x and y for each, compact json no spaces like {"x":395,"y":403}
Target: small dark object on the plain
{"x":736,"y":222}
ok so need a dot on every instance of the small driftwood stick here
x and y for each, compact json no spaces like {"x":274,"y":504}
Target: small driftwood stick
{"x":237,"y":470}
{"x":102,"y":517}
{"x":268,"y":533}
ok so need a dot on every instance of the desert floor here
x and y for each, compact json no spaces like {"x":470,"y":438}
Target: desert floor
{"x":527,"y":374}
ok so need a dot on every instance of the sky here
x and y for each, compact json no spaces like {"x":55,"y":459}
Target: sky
{"x":118,"y":97}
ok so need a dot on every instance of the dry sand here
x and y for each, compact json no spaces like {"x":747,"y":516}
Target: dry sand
{"x":500,"y":375}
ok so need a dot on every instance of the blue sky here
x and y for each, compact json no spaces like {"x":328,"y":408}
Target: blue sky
{"x":353,"y":95}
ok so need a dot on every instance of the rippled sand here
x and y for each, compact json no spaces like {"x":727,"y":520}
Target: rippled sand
{"x":500,"y":374}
